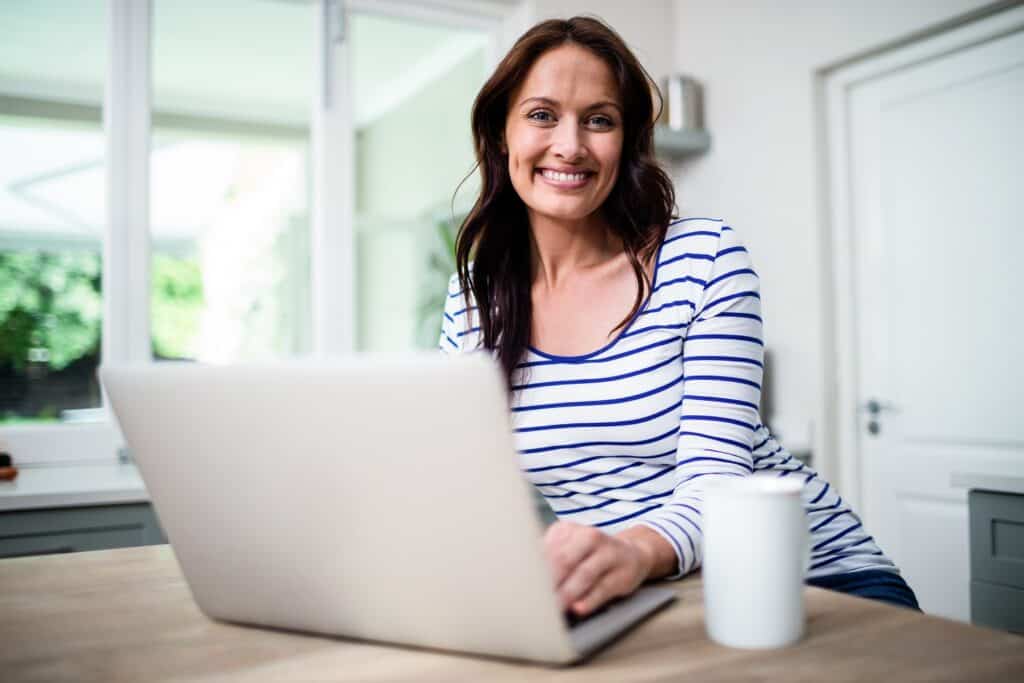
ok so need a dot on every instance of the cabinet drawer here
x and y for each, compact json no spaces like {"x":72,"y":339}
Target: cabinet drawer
{"x":997,"y":606}
{"x":997,"y":537}
{"x":65,"y":530}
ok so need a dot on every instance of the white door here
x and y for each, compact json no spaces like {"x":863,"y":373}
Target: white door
{"x":936,"y":183}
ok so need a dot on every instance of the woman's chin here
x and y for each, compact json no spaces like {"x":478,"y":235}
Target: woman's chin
{"x":562,"y":213}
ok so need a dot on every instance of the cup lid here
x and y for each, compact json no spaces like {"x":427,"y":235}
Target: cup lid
{"x":766,"y":484}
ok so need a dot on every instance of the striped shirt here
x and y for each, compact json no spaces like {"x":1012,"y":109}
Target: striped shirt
{"x":633,"y":432}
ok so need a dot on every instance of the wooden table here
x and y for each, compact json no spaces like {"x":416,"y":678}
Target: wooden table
{"x":127,"y":615}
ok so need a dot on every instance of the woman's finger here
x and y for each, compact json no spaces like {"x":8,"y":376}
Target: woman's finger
{"x":566,"y":545}
{"x":587,"y":574}
{"x":611,"y":585}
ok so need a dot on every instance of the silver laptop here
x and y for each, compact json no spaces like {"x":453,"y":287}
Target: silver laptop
{"x":374,"y":497}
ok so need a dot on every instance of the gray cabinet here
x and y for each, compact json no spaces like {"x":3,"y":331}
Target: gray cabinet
{"x":997,"y":559}
{"x":72,"y":529}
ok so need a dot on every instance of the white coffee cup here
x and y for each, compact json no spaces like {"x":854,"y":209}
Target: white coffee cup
{"x":755,"y":557}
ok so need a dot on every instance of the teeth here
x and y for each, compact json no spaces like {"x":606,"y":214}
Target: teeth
{"x":563,"y":177}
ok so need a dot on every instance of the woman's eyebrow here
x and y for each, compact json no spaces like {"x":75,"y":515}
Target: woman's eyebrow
{"x":555,"y":103}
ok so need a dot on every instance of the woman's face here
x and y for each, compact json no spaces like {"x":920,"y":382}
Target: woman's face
{"x":563,"y":134}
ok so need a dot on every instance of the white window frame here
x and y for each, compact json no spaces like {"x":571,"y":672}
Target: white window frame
{"x":125,"y":338}
{"x":126,"y":247}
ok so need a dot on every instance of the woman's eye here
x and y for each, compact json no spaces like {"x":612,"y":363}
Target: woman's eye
{"x":601,"y":121}
{"x":540,"y":115}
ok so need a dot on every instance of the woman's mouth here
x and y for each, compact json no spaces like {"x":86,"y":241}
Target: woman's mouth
{"x":565,"y":180}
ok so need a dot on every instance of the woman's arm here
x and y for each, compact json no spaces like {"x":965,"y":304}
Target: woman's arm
{"x":660,"y":557}
{"x":722,"y":360}
{"x":723,"y":357}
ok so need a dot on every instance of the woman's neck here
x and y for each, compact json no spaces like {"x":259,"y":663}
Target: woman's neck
{"x":563,"y":248}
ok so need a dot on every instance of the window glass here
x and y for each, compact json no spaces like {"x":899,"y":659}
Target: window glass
{"x":52,"y":211}
{"x":229,"y":207}
{"x":413,"y":85}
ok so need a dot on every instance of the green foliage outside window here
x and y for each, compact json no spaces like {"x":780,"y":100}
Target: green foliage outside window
{"x":51,"y":307}
{"x":176,"y":305}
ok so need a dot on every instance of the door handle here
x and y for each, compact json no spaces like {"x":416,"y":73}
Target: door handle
{"x":874,"y":407}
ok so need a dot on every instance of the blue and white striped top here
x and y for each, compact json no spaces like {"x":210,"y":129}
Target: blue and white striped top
{"x":631,"y":433}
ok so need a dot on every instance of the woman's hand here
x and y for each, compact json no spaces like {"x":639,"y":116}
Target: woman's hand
{"x":591,"y":567}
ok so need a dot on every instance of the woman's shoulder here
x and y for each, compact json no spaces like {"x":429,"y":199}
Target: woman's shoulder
{"x":699,"y":239}
{"x":691,"y":244}
{"x":696,"y":252}
{"x":456,"y":294}
{"x":695,"y":231}
{"x":458,"y":300}
{"x":459,"y":327}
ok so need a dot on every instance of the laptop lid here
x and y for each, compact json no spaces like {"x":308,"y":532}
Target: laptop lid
{"x":377,"y":497}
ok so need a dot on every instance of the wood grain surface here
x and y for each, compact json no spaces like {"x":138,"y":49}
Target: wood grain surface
{"x":127,"y":615}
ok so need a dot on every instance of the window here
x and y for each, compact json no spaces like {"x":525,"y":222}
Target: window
{"x":52,"y":188}
{"x":261,"y":188}
{"x":413,"y":88}
{"x":229,"y":162}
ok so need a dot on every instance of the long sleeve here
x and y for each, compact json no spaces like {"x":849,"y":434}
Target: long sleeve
{"x":454,"y":320}
{"x":722,"y":369}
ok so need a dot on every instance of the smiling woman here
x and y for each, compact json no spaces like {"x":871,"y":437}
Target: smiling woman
{"x":553,"y":111}
{"x":630,"y":339}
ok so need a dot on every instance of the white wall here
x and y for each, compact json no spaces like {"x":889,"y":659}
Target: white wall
{"x":644,"y":24}
{"x":758,"y":62}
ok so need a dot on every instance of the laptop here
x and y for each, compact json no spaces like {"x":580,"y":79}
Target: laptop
{"x":372,"y":497}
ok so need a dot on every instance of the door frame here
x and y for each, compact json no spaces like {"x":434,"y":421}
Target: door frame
{"x":838,"y":441}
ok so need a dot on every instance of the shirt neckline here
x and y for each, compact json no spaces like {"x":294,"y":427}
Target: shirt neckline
{"x":624,"y":330}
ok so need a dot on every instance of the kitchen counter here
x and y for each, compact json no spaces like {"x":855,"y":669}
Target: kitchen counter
{"x":61,"y":486}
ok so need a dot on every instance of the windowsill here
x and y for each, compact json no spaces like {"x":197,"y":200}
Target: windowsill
{"x":72,"y":485}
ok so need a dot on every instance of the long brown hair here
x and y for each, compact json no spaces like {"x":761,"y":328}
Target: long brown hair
{"x":495,"y":234}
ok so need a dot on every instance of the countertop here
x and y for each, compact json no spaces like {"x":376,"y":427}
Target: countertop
{"x":72,"y":485}
{"x":128,"y":615}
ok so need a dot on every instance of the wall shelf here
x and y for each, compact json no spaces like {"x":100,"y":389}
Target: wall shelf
{"x":680,"y":144}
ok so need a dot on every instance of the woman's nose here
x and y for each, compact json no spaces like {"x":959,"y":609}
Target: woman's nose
{"x":568,"y":142}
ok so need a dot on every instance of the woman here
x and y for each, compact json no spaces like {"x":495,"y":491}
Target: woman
{"x":595,"y":300}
